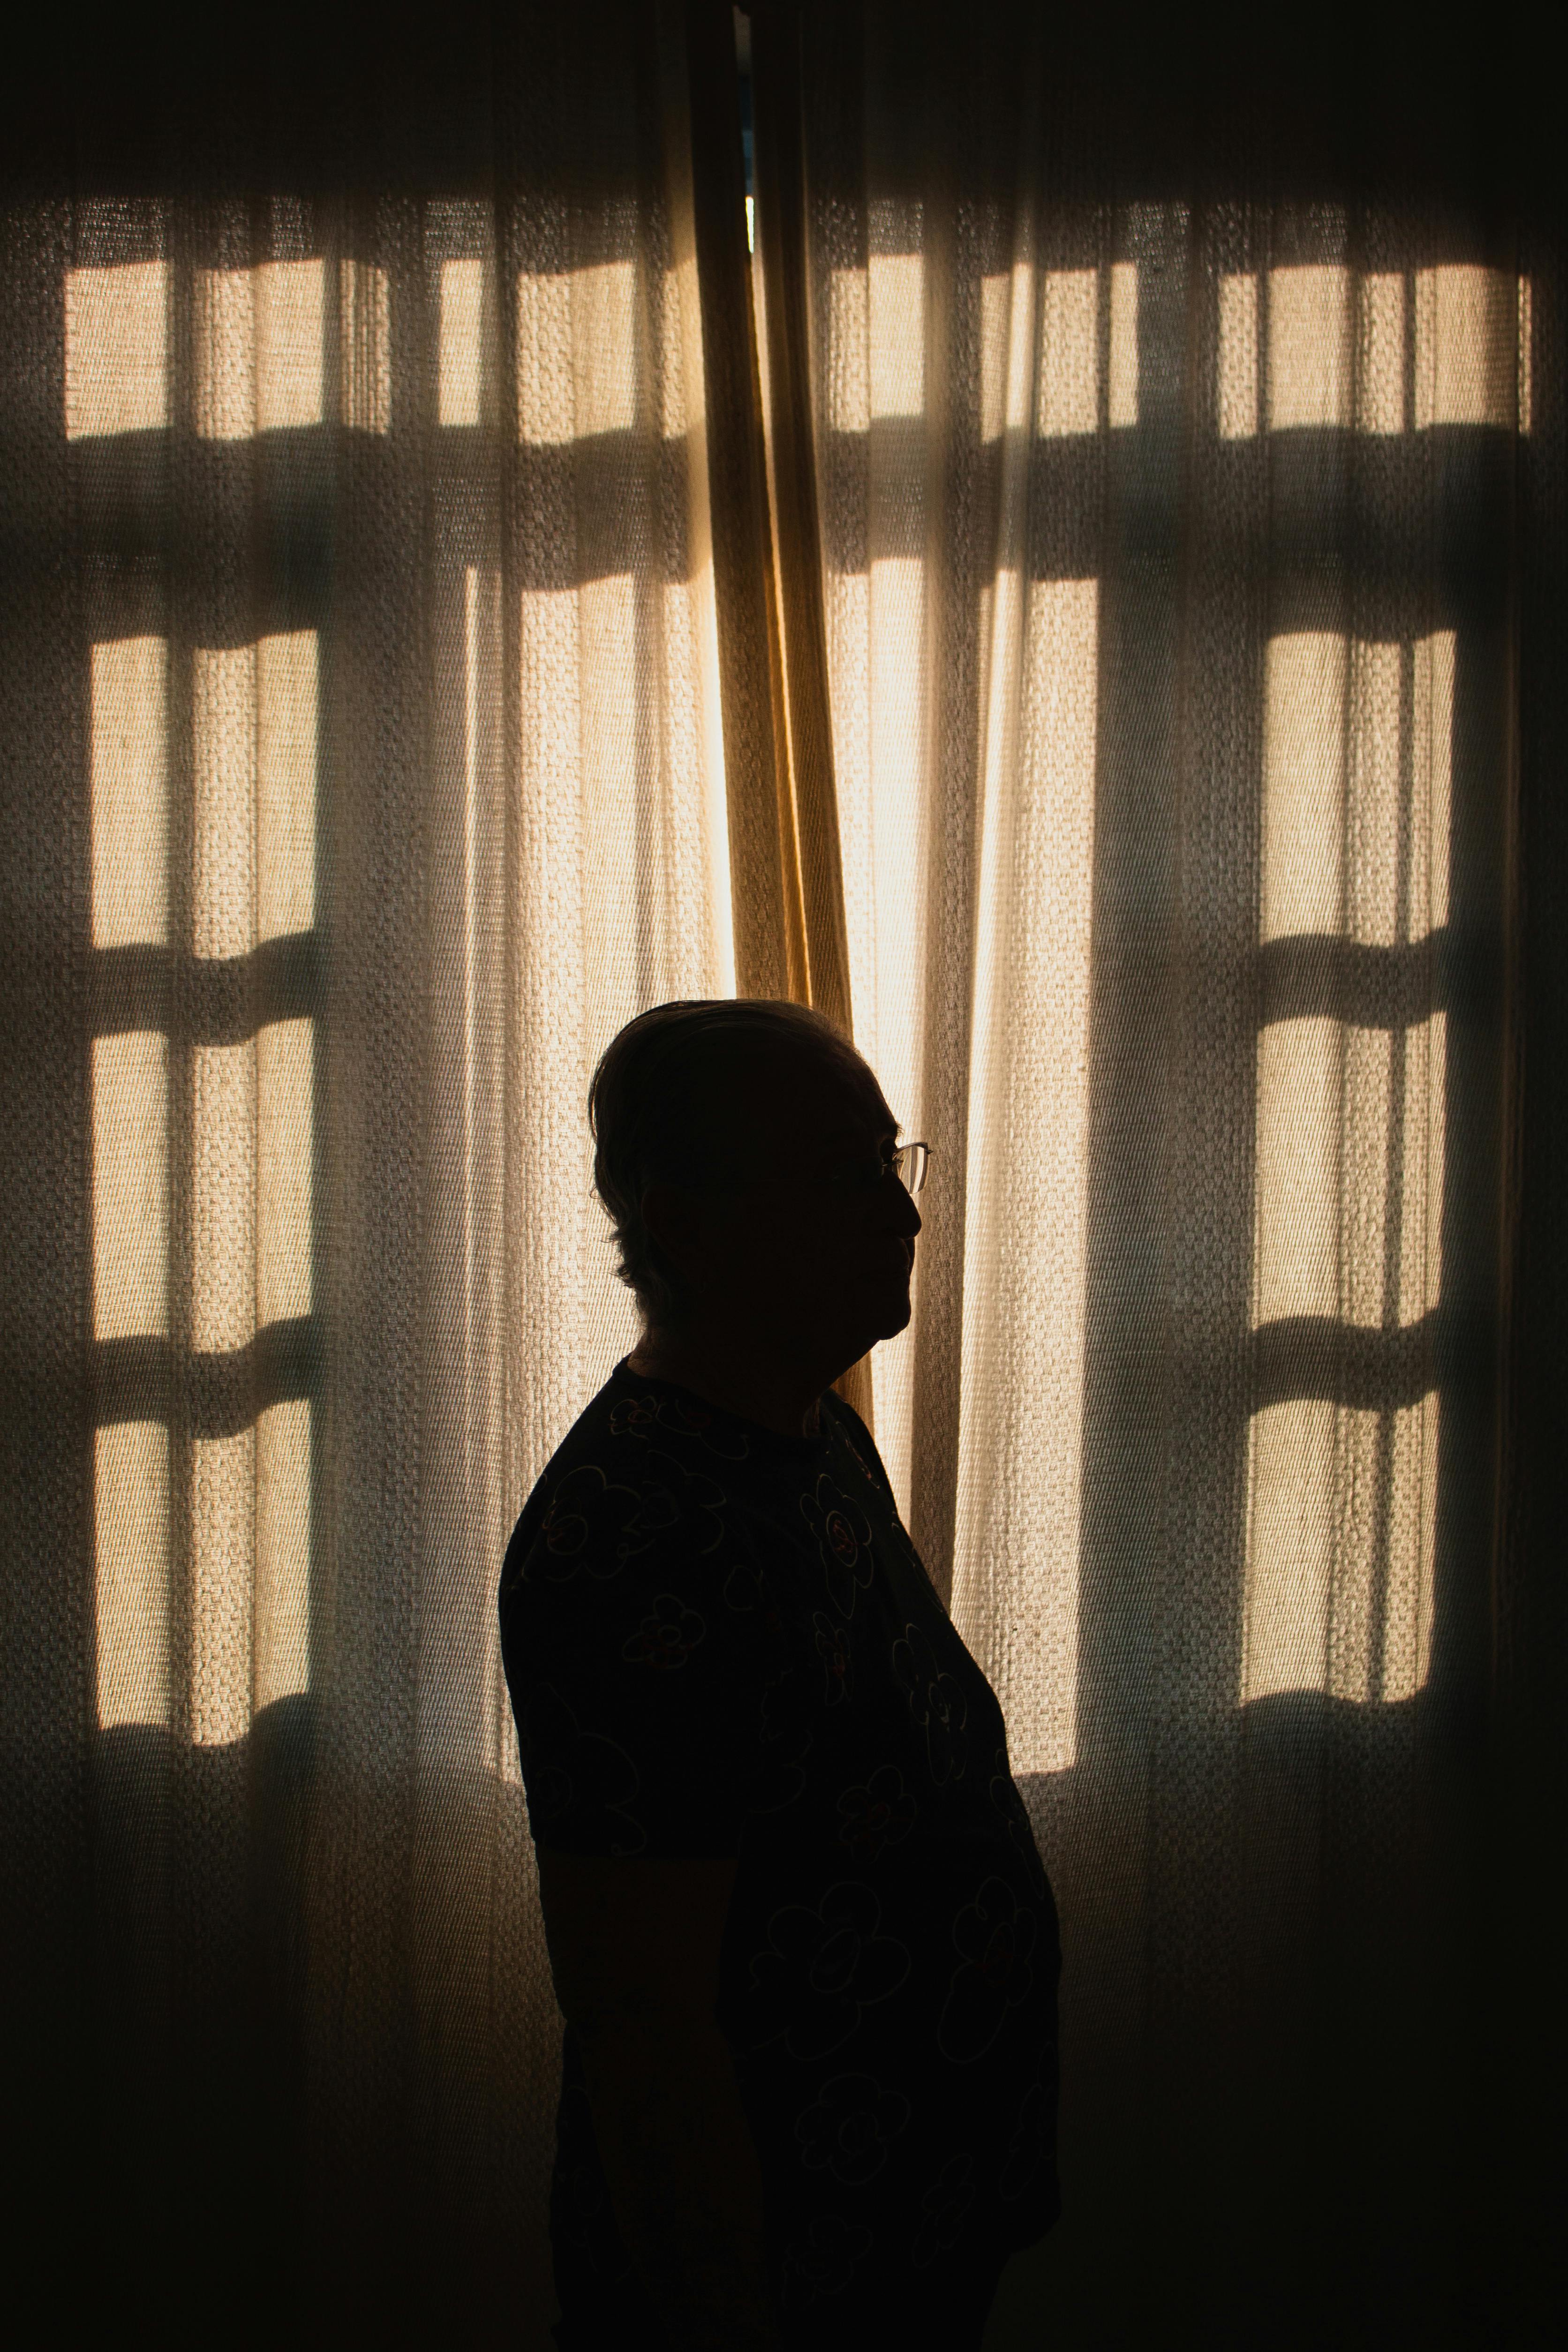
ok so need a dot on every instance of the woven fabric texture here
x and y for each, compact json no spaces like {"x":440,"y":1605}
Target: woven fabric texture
{"x":1186,"y":510}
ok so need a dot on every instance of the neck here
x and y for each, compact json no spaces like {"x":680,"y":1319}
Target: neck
{"x":733,"y":1371}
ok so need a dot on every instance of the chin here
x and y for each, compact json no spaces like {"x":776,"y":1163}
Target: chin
{"x":891,"y":1319}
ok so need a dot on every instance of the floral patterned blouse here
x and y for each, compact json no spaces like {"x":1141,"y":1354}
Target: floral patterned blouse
{"x":719,"y":1641}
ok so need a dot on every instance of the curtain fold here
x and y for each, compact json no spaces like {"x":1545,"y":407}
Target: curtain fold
{"x":1082,"y":604}
{"x":362,"y":697}
{"x":1171,"y":459}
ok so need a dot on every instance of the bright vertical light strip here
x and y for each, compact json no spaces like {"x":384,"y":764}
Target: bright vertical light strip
{"x":130,"y":793}
{"x":223,"y":1584}
{"x":130,"y":1185}
{"x":1466,"y":346}
{"x":1067,"y":381}
{"x":895,"y":294}
{"x":899,"y":835}
{"x":471,"y":789}
{"x":115,"y":349}
{"x":285,"y":1155}
{"x":1342,"y":1526}
{"x":1123,"y":386}
{"x":1303,"y":786}
{"x":461,"y":317}
{"x":1024,"y":1269}
{"x":286,"y":708}
{"x":1380,"y":375}
{"x":364,"y":329}
{"x":291,"y":346}
{"x":223,"y":880}
{"x":222,"y":1197}
{"x":131,"y":1573}
{"x":1236,"y":369}
{"x":283,"y":1551}
{"x":1295,"y":1247}
{"x":1292,"y":1546}
{"x":1309,"y":359}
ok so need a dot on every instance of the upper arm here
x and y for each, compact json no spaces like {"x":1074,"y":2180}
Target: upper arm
{"x":631,"y":1935}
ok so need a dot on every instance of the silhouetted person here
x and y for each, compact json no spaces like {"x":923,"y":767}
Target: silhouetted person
{"x":801,"y":1935}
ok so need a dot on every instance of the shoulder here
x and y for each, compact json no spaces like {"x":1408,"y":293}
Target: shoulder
{"x":627,"y":1478}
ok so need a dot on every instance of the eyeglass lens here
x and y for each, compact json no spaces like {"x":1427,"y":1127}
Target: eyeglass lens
{"x":909,"y":1163}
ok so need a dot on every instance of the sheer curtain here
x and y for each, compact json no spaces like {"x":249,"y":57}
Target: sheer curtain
{"x":1173,"y":491}
{"x":362,"y":695}
{"x":1078,"y":605}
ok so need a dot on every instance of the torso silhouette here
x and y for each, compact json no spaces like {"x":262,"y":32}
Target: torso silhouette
{"x":720,"y":1641}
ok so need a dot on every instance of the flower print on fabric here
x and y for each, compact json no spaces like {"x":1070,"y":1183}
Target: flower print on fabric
{"x":936,"y":1702}
{"x":877,"y":1814}
{"x":584,"y":1504}
{"x":666,"y":1636}
{"x":780,"y":1778}
{"x":588,"y":1777}
{"x":849,"y":2127}
{"x":823,"y":1967}
{"x":822,"y":2259}
{"x":595,"y":1524}
{"x":843,"y":1534}
{"x":640,"y":1416}
{"x":834,"y":1657}
{"x":944,"y":2208}
{"x":996,"y":1934}
{"x":747,"y":1591}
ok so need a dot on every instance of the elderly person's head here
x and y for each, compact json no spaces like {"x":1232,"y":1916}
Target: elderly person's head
{"x":741,"y":1152}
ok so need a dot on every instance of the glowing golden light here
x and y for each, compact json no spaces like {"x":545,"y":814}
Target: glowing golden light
{"x":1309,"y":372}
{"x":1467,"y":346}
{"x":285,"y":1141}
{"x":1296,"y":1252}
{"x":286,"y":705}
{"x":1067,"y":397}
{"x":1350,"y":1168}
{"x":1123,"y":385}
{"x":1303,"y":784}
{"x":364,"y":337}
{"x":117,"y":349}
{"x":224,"y":747}
{"x":1025,"y":1246}
{"x":130,"y":793}
{"x":222,"y":1531}
{"x":131,"y":1573}
{"x":1236,"y":387}
{"x":260,"y":349}
{"x":1380,"y":357}
{"x":461,"y":341}
{"x":896,"y":319}
{"x":222,"y":1196}
{"x":282,"y":1625}
{"x":130,"y":1186}
{"x":1341,"y":1555}
{"x":848,"y":386}
{"x":576,"y":353}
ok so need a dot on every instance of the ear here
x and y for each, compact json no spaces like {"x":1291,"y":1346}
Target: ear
{"x":681,"y":1222}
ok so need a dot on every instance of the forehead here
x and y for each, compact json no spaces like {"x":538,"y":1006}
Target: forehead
{"x":795,"y":1088}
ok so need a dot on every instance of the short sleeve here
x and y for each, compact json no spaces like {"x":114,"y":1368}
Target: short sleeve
{"x":635,"y":1637}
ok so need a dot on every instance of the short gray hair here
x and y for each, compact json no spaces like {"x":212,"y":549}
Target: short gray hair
{"x":661,"y":1112}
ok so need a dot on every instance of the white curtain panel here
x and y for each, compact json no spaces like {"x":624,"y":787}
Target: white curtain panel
{"x":1168,"y":538}
{"x":363,"y":717}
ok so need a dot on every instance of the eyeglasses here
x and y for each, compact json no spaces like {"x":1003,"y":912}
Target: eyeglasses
{"x":908,"y":1163}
